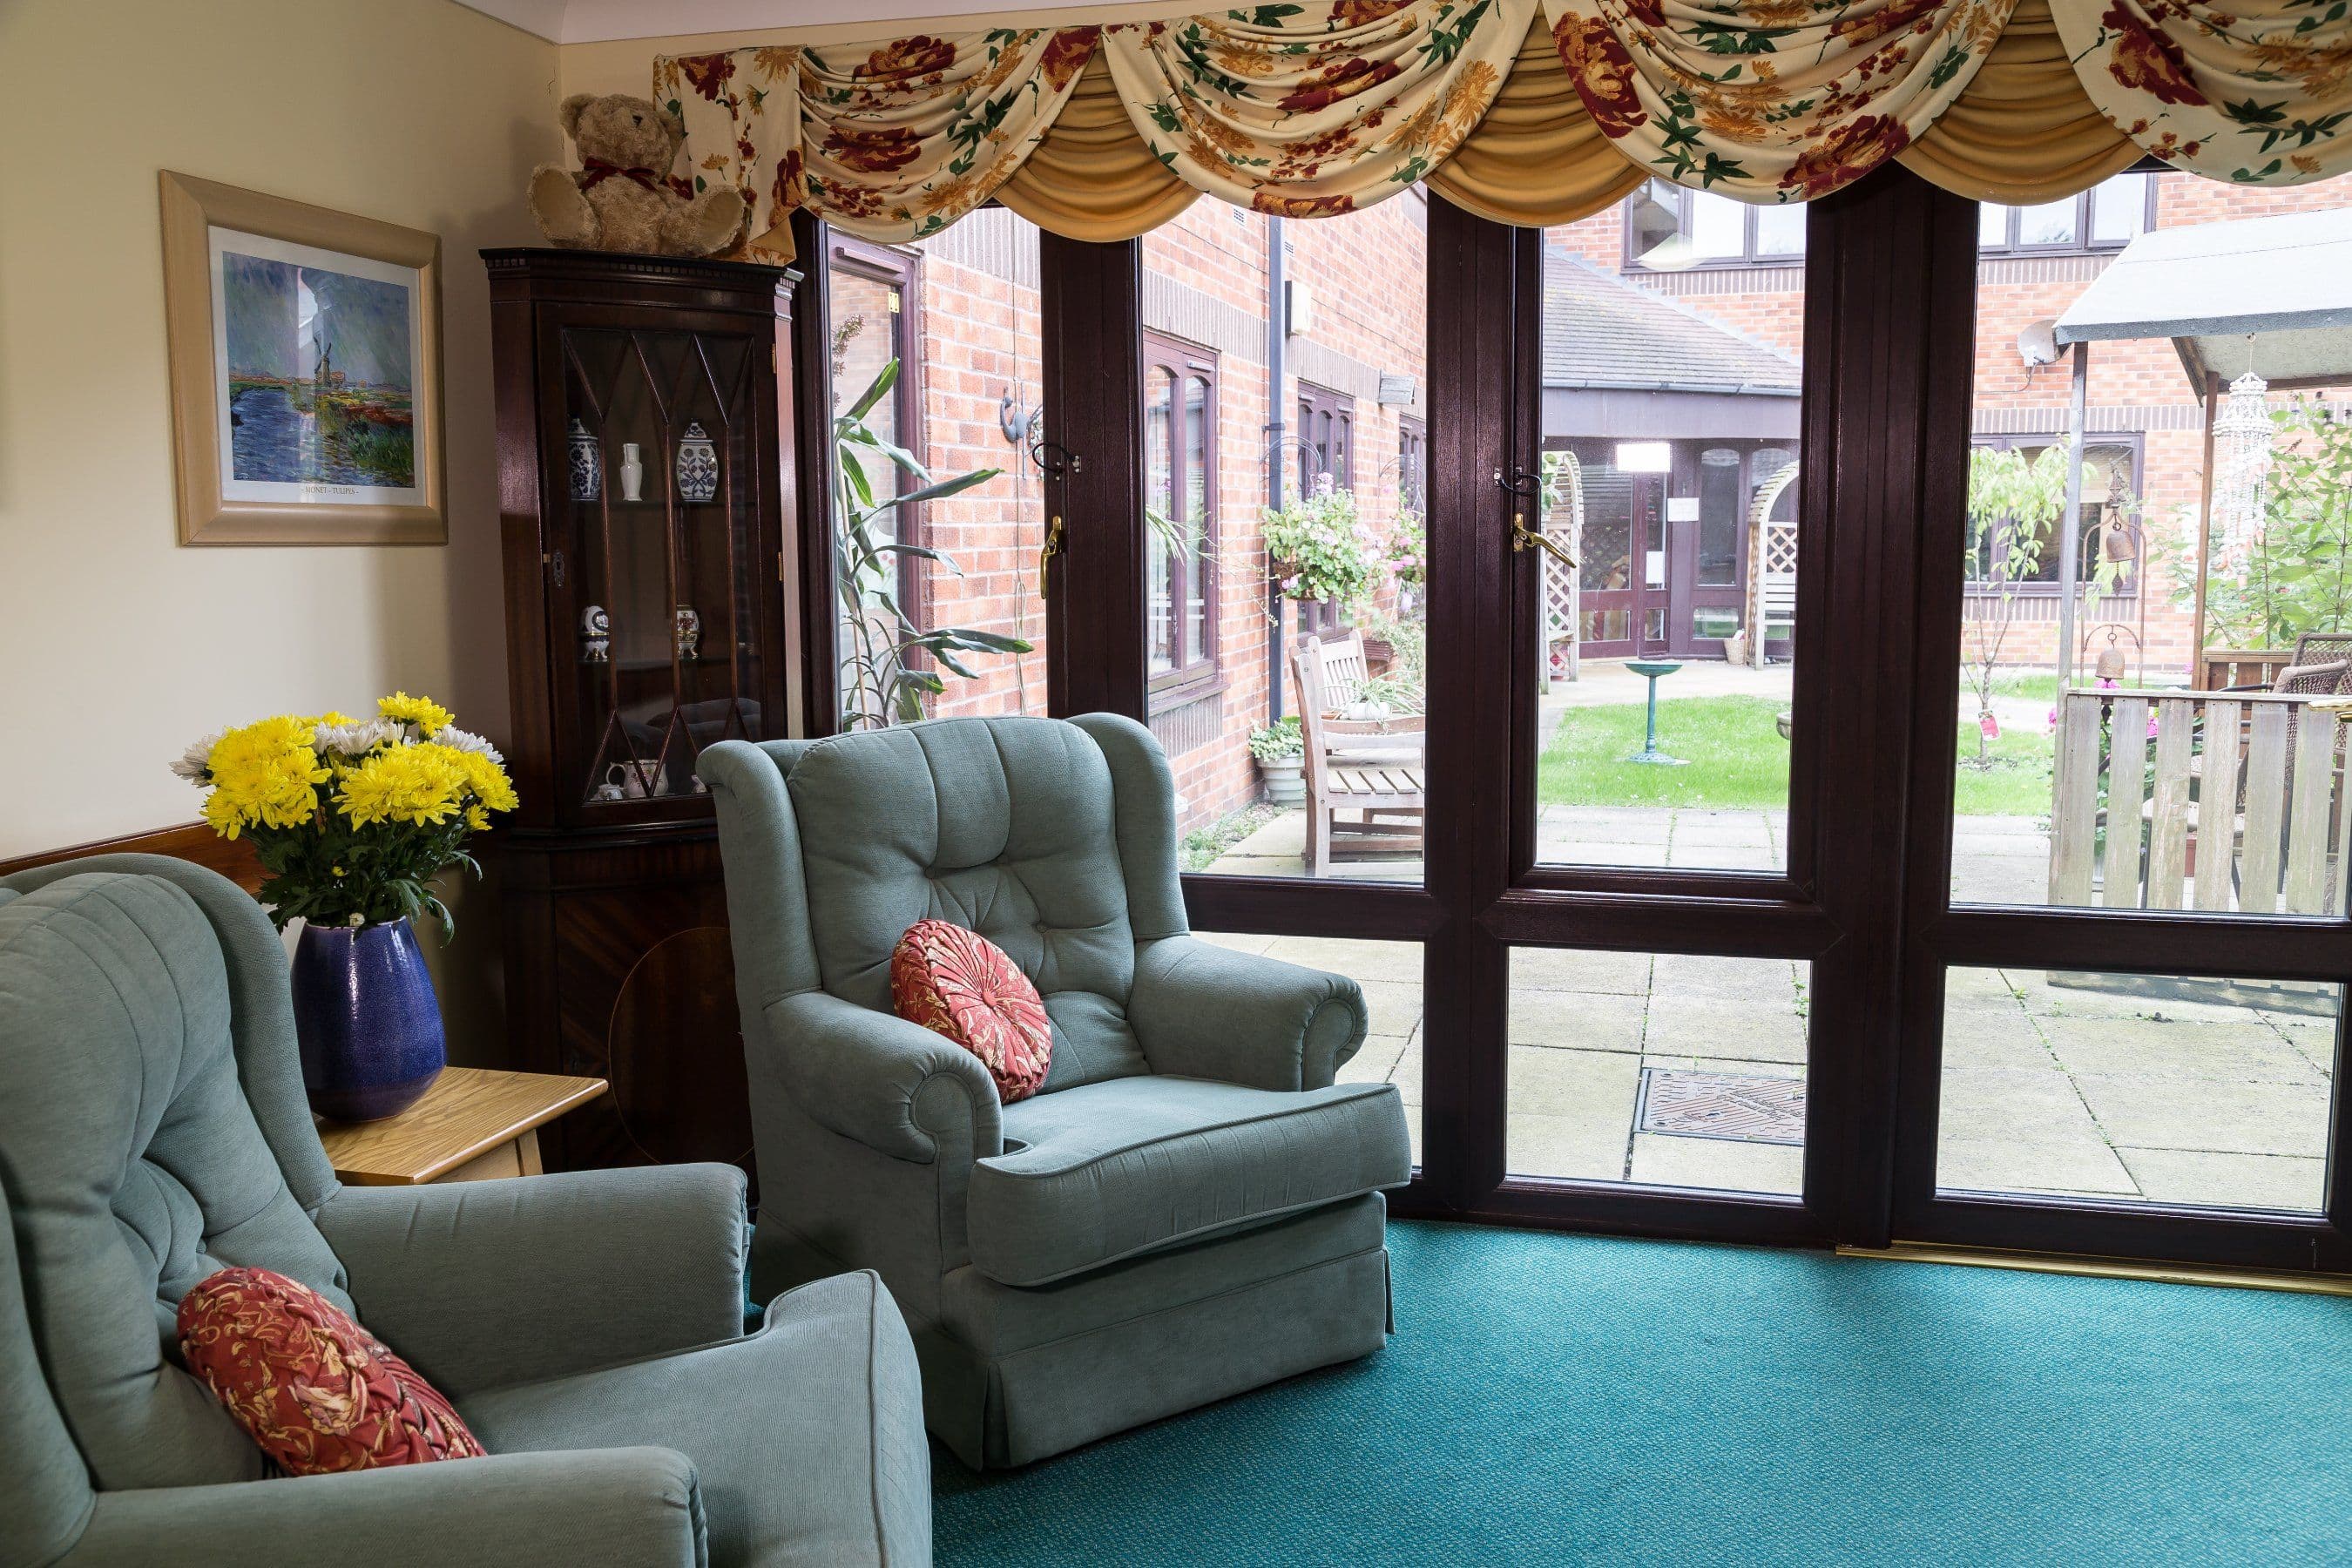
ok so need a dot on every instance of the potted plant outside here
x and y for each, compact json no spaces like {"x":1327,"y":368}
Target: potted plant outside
{"x":1280,"y":749}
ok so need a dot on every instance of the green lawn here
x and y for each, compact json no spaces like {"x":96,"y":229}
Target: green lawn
{"x":1739,"y":762}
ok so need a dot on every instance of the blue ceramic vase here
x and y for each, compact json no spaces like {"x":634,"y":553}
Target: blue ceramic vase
{"x":367,"y":1018}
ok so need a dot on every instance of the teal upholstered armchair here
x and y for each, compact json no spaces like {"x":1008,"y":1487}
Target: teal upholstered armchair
{"x":1189,"y":1207}
{"x":589,"y":1326}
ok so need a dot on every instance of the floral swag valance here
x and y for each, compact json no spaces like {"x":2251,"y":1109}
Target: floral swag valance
{"x":1528,"y":116}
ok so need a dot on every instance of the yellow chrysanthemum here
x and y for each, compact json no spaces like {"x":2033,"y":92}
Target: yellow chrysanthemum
{"x":489,"y":781}
{"x":428,"y":716}
{"x":403,"y":783}
{"x":264,"y":774}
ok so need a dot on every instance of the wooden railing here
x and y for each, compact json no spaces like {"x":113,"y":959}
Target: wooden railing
{"x":2201,"y":802}
{"x":2238,"y":669}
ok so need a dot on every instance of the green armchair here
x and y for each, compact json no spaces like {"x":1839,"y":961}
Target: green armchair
{"x":1189,"y":1207}
{"x":588,"y":1326}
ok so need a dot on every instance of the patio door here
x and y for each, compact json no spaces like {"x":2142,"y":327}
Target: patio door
{"x":2127,"y":947}
{"x":1746,"y":949}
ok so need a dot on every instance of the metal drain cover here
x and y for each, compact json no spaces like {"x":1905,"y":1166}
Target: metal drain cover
{"x":1740,"y":1106}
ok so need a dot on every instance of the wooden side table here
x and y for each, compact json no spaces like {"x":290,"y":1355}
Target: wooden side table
{"x":472,"y":1125}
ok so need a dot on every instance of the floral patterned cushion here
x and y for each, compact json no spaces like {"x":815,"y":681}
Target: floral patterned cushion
{"x":961,"y":985}
{"x":319,"y":1393}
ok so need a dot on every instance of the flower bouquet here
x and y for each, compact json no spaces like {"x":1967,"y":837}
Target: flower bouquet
{"x":351,"y":819}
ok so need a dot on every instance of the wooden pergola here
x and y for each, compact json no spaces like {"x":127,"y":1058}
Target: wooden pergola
{"x":2270,"y":295}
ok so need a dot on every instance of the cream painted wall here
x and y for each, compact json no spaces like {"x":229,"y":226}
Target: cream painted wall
{"x":120,"y":646}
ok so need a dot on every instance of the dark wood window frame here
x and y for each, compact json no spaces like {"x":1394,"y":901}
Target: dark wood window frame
{"x":1181,"y":361}
{"x":1687,"y":205}
{"x":1323,"y":413}
{"x":902,"y":269}
{"x":1890,"y":286}
{"x":2082,"y":244}
{"x":2135,"y":440}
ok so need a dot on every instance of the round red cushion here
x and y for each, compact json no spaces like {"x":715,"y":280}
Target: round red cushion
{"x":319,"y":1393}
{"x":961,"y":985}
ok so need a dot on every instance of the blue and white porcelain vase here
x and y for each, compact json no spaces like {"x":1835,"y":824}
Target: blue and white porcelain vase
{"x":698,"y":465}
{"x":368,"y":1021}
{"x":587,"y":464}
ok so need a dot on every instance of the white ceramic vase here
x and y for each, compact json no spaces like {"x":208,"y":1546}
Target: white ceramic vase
{"x":632,"y":473}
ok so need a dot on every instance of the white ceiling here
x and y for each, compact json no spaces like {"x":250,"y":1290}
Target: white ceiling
{"x":595,"y":21}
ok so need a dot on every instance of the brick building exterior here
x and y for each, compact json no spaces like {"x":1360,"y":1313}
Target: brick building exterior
{"x":960,"y":310}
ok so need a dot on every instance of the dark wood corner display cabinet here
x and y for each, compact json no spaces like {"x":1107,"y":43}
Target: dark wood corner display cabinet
{"x":647,"y":499}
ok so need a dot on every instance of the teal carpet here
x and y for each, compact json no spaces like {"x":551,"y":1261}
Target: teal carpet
{"x":1556,"y":1399}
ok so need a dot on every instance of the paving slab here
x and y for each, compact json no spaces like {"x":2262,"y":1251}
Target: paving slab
{"x":1578,"y":1020}
{"x":1580,"y":969}
{"x":1718,"y":1164}
{"x":2084,"y":1163}
{"x":1772,"y":982}
{"x":2015,"y":1104}
{"x":1358,"y":958}
{"x":2229,"y":1181}
{"x":1697,"y":1023}
{"x":1992,"y":1033}
{"x":2210,"y":1114}
{"x":2122,"y":1048}
{"x":1374,"y":1062}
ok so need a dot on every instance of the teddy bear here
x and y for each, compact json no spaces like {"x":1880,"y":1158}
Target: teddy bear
{"x":622,"y":197}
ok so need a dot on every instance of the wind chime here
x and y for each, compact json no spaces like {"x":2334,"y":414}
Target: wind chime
{"x":2242,"y":460}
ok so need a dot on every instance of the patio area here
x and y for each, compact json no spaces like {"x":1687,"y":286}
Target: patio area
{"x":2067,"y":1085}
{"x":1688,"y":1071}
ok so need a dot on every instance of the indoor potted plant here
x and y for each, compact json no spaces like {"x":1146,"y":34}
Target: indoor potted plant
{"x":351,"y":819}
{"x":1280,"y":749}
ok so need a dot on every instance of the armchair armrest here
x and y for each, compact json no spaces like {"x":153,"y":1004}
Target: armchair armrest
{"x":486,"y":1283}
{"x":892,"y":1085}
{"x":1203,"y":1011}
{"x":598,"y":1507}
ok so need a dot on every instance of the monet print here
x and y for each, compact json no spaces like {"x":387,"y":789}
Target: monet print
{"x":316,"y":358}
{"x":304,"y":347}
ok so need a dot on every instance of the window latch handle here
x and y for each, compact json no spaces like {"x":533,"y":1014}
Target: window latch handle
{"x":1523,"y":537}
{"x":1046,"y":557}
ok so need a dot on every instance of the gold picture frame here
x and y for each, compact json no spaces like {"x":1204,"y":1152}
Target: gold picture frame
{"x":277,"y":440}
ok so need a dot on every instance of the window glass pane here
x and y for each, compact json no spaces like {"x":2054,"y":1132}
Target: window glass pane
{"x":2052,"y":223}
{"x":1162,"y":515}
{"x":967,"y":403}
{"x":1196,"y":519}
{"x":1669,"y":405}
{"x":1659,"y":1069}
{"x":2119,"y":209}
{"x":1721,"y":497}
{"x":1780,"y":230}
{"x":1390,"y":974}
{"x":1992,"y":224}
{"x":2136,"y":1089}
{"x":2105,"y":757}
{"x":1719,"y":226}
{"x":1332,"y":449}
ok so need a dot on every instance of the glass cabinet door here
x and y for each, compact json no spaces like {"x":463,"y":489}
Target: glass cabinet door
{"x":663,"y":486}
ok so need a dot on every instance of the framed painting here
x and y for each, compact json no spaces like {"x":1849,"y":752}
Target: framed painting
{"x":306,"y":371}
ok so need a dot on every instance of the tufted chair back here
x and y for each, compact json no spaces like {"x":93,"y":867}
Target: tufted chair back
{"x":1054,"y":840}
{"x":153,"y":1129}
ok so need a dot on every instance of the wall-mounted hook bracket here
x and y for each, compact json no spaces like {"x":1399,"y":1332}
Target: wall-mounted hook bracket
{"x":1520,"y":483}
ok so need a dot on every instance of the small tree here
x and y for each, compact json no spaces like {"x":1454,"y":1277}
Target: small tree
{"x":879,"y":686}
{"x":2296,"y":574}
{"x":2014,"y":504}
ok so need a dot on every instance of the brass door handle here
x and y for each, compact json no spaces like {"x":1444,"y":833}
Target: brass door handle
{"x":1523,"y":536}
{"x":1046,"y":557}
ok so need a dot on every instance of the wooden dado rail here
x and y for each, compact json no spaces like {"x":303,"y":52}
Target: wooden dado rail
{"x":2240,"y":807}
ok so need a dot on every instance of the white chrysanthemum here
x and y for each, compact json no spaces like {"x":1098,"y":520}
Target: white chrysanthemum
{"x":197,"y":761}
{"x":355,"y":740}
{"x":467,"y":741}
